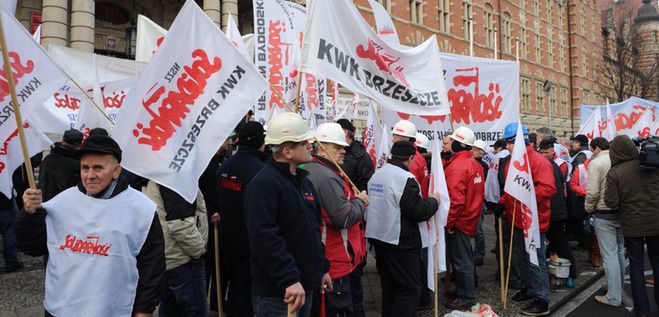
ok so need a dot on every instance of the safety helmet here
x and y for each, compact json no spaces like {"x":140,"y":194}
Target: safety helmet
{"x":331,"y":133}
{"x":464,"y":135}
{"x":510,"y":131}
{"x":405,"y":128}
{"x":422,"y":141}
{"x":287,"y":127}
{"x":480,"y":144}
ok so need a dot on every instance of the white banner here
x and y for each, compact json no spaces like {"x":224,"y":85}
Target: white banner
{"x":483,"y":95}
{"x":384,"y":148}
{"x":274,"y":50}
{"x":149,"y":36}
{"x":233,"y":34}
{"x":591,"y":127}
{"x":192,"y":95}
{"x":438,"y":222}
{"x":519,"y":185}
{"x":35,"y":75}
{"x":385,"y":26}
{"x":11,"y":154}
{"x":625,"y":114}
{"x":10,"y":5}
{"x":341,"y":46}
{"x":80,"y":66}
{"x":642,"y":127}
{"x":372,"y":134}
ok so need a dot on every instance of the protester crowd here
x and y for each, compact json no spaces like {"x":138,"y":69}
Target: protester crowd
{"x":294,"y":209}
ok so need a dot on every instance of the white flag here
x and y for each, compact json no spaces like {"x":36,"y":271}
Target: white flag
{"x":37,"y":34}
{"x":10,"y":5}
{"x":373,"y":133}
{"x":384,"y":148}
{"x":233,"y":34}
{"x":438,"y":221}
{"x":11,"y":154}
{"x":149,"y":37}
{"x":385,"y":26}
{"x":341,"y":46}
{"x":589,"y":128}
{"x":519,"y":185}
{"x":642,"y":127}
{"x":185,"y":103}
{"x":610,"y":132}
{"x":36,"y":76}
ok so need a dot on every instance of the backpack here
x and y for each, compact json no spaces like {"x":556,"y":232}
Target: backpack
{"x":649,"y":153}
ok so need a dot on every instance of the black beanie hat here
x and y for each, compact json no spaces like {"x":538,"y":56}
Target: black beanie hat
{"x":403,"y":149}
{"x":251,"y":134}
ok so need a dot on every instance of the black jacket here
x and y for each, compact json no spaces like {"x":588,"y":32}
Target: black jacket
{"x":413,"y":209}
{"x":358,"y":165}
{"x":558,"y":202}
{"x":283,"y":224}
{"x":233,"y":177}
{"x":58,"y":171}
{"x":31,"y":237}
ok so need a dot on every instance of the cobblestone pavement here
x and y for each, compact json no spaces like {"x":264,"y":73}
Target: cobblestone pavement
{"x":21,"y":293}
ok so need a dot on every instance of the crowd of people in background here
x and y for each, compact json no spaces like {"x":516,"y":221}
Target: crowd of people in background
{"x":294,"y":210}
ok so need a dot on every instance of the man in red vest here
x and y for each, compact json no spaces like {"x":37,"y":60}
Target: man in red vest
{"x":342,"y":226}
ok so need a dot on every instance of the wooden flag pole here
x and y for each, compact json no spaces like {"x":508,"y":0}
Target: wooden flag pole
{"x":288,"y":106}
{"x":354,"y":187}
{"x":510,"y":252}
{"x":501,"y":267}
{"x":291,"y":313}
{"x":218,"y":281}
{"x":16,"y":107}
{"x":299,"y":91}
{"x":435,"y":255}
{"x":92,"y":100}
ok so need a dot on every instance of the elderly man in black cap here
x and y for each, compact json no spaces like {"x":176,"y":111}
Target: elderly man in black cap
{"x":61,"y":169}
{"x":233,"y":176}
{"x":104,"y":240}
{"x":395,"y":216}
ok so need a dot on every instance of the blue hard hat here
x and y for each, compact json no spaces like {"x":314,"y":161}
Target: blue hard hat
{"x":510,"y":131}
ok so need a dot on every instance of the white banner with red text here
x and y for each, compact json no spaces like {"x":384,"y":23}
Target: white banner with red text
{"x":625,"y":115}
{"x":149,"y":36}
{"x":185,"y":103}
{"x":11,"y":154}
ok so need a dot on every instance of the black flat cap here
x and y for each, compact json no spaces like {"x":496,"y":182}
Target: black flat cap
{"x":72,"y":136}
{"x":100,"y":144}
{"x":346,"y":125}
{"x":403,"y":149}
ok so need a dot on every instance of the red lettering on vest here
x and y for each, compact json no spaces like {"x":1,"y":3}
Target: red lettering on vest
{"x":90,"y":246}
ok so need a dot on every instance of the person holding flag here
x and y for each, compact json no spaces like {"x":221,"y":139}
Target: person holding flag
{"x":357,"y":164}
{"x":465,"y":180}
{"x":406,"y":130}
{"x":529,"y":187}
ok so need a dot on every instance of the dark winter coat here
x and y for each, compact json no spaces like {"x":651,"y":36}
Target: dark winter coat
{"x":631,"y":190}
{"x":58,"y":171}
{"x":358,"y":165}
{"x":283,"y":224}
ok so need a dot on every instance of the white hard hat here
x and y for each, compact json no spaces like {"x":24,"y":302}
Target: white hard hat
{"x":422,"y":140}
{"x":464,"y":135}
{"x":287,"y":127}
{"x":405,"y":128}
{"x":480,"y":144}
{"x":331,"y":133}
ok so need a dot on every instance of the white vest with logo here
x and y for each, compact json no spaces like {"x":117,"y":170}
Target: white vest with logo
{"x":92,"y":246}
{"x":383,"y":213}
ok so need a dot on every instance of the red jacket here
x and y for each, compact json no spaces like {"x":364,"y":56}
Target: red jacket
{"x":575,"y":185}
{"x":466,"y":188}
{"x":419,"y":169}
{"x":543,"y":182}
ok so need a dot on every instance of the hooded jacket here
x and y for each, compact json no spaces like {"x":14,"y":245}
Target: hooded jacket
{"x":633,"y":191}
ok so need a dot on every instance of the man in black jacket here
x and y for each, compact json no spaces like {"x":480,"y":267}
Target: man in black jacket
{"x":104,"y":240}
{"x":357,"y":164}
{"x":283,"y":224}
{"x":61,"y":169}
{"x":233,"y":177}
{"x":395,"y":216}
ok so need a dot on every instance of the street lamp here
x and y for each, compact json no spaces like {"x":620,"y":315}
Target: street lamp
{"x":546,"y":86}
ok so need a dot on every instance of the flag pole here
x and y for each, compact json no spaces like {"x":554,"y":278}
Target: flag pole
{"x":274,"y":91}
{"x":91,"y":100}
{"x":299,"y":91}
{"x":471,"y":36}
{"x":435,"y":270}
{"x":17,"y":110}
{"x":218,"y":281}
{"x":510,"y":252}
{"x":496,"y":52}
{"x":501,"y":267}
{"x":354,"y":188}
{"x":291,"y":312}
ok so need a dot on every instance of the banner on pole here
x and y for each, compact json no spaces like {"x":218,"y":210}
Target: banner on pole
{"x":11,"y":154}
{"x":185,"y":103}
{"x":149,"y":37}
{"x":620,"y":118}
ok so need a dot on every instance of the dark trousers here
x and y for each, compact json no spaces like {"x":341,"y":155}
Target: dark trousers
{"x":183,"y":292}
{"x":7,"y":220}
{"x":514,"y":272}
{"x":211,"y":284}
{"x":399,"y":280}
{"x":236,"y":285}
{"x":558,"y":244}
{"x":356,"y":288}
{"x":462,"y":258}
{"x":276,"y":307}
{"x":338,"y":303}
{"x":635,"y":252}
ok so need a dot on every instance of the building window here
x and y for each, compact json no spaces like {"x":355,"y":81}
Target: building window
{"x":552,"y":101}
{"x":539,"y":96}
{"x":489,"y":27}
{"x":538,"y":57}
{"x":550,"y":53}
{"x":416,"y":11}
{"x":586,"y":97}
{"x":655,"y":36}
{"x":386,"y":4}
{"x":467,"y":12}
{"x":526,"y":94}
{"x":561,"y":57}
{"x":582,"y":22}
{"x":584,"y":63}
{"x":444,"y":17}
{"x":561,"y":18}
{"x":549,"y":12}
{"x":507,"y":38}
{"x":522,"y":43}
{"x":564,"y":109}
{"x":522,"y":5}
{"x":536,"y":7}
